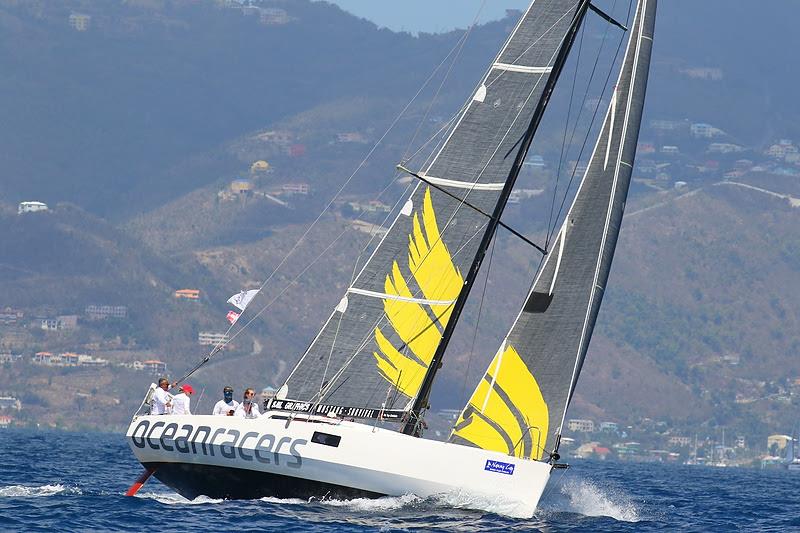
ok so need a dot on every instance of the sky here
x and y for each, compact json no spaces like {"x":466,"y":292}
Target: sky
{"x":431,"y":16}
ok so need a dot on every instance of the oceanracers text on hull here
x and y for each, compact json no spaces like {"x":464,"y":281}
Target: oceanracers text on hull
{"x":227,"y":457}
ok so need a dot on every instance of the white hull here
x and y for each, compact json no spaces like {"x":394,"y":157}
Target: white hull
{"x":239,"y":458}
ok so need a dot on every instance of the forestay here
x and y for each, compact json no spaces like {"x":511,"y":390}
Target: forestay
{"x":372,"y":354}
{"x":519,"y":405}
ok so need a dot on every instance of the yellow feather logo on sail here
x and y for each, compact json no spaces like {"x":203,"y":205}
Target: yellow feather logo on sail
{"x":420,"y":329}
{"x":507,"y":412}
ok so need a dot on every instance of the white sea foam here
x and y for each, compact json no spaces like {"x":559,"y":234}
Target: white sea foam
{"x":283,"y":501}
{"x":588,"y":499}
{"x":385,"y":503}
{"x":171,"y":498}
{"x":24,"y":491}
{"x":499,"y":504}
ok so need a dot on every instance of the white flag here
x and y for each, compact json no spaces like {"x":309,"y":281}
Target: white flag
{"x":242,"y":299}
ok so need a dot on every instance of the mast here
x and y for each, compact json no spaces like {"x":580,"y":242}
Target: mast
{"x":421,"y":401}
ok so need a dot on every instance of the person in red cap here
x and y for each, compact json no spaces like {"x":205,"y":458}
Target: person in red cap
{"x":181,"y":402}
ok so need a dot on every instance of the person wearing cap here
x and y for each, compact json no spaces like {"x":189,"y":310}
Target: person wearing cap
{"x":182,"y":401}
{"x":227,"y":405}
{"x":249,"y":406}
{"x":162,"y":400}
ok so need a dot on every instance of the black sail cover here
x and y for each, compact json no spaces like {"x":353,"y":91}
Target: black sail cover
{"x":372,"y":354}
{"x":519,"y":405}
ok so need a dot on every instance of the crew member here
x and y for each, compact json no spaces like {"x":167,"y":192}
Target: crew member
{"x":227,"y":406}
{"x":249,"y":407}
{"x":162,"y":400}
{"x":182,"y":401}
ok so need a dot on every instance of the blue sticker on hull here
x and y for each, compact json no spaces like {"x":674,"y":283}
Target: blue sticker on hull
{"x":499,"y":467}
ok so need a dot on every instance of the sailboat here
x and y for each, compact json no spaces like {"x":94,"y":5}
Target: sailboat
{"x":792,"y":461}
{"x":349,"y":419}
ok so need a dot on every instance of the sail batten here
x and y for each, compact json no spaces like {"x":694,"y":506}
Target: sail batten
{"x":552,"y":331}
{"x":374,"y":352}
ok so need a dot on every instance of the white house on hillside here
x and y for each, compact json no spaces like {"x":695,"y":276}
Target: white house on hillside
{"x":31,"y":207}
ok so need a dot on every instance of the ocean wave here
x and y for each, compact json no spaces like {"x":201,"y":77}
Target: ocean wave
{"x":588,"y":499}
{"x":26,"y":491}
{"x":172,"y":498}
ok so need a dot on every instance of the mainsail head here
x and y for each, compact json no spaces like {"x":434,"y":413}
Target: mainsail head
{"x":520,"y":403}
{"x":375,"y":349}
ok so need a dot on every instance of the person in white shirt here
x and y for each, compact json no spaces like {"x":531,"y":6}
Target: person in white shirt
{"x":162,"y":400}
{"x":181,"y":403}
{"x":249,"y":407}
{"x":227,"y":406}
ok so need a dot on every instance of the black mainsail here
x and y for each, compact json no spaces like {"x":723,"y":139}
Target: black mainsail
{"x":520,"y":404}
{"x":373,"y":354}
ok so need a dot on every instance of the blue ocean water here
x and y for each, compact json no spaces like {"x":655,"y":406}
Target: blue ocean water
{"x":75,"y":482}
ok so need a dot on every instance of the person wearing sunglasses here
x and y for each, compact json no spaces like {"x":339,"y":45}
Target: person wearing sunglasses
{"x":249,"y":407}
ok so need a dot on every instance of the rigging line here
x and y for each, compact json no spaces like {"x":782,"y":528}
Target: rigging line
{"x":594,"y":116}
{"x":288,"y":286}
{"x":551,"y":230}
{"x":458,"y":49}
{"x":360,"y":165}
{"x":478,"y":320}
{"x":608,"y":18}
{"x":353,"y":276}
{"x":439,"y":135}
{"x":551,"y":486}
{"x":298,"y":276}
{"x":330,"y":353}
{"x":564,"y":140}
{"x":462,"y":42}
{"x":219,"y":346}
{"x":373,"y":231}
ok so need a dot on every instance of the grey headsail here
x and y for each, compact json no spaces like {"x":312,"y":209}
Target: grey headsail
{"x":372,"y":354}
{"x":519,"y":405}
